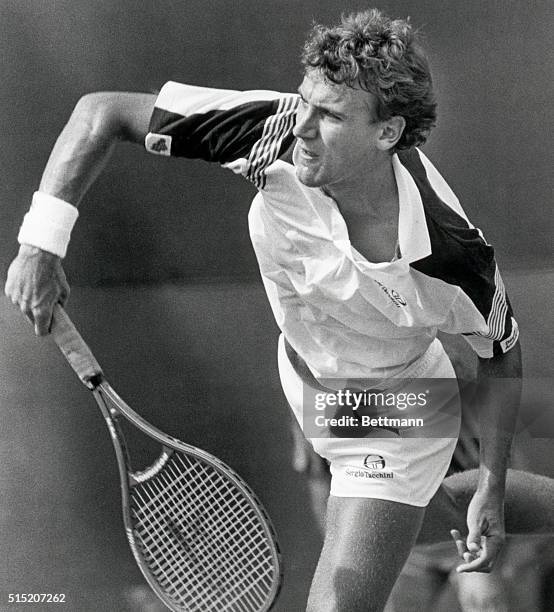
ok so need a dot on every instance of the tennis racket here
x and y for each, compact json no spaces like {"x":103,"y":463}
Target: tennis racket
{"x":197,"y":531}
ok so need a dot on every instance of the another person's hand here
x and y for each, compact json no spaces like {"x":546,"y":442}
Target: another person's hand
{"x":35,"y":282}
{"x":486,"y":533}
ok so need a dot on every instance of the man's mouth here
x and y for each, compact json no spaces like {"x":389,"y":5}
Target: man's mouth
{"x":307,"y":153}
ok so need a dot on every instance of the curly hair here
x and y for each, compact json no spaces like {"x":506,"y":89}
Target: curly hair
{"x":383,"y":57}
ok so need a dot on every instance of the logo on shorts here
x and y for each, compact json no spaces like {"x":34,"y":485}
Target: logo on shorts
{"x":374,"y":462}
{"x":374,"y":469}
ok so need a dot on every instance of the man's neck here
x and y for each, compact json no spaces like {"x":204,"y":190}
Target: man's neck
{"x":373,"y":195}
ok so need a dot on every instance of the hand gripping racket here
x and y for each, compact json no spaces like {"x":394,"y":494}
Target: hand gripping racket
{"x":197,"y":531}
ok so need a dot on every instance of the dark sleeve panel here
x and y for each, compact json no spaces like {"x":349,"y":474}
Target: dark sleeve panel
{"x":243,"y":131}
{"x":461,"y":257}
{"x":218,"y":135}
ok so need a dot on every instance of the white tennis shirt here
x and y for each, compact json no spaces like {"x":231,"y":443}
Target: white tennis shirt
{"x":345,"y":316}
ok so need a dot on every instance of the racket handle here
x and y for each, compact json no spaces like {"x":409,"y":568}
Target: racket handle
{"x":75,"y":349}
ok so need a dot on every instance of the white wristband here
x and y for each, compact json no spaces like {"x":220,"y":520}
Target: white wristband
{"x":48,"y":224}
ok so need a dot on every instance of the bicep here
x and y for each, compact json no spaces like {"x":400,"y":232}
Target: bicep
{"x":125,"y":115}
{"x":138,"y":109}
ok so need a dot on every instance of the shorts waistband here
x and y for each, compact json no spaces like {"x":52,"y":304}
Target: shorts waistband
{"x":418,"y":368}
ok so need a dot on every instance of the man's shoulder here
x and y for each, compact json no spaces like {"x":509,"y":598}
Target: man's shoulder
{"x":449,"y":228}
{"x":457,"y":247}
{"x":440,"y":204}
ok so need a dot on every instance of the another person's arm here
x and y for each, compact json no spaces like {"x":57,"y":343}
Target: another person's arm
{"x":36,"y":280}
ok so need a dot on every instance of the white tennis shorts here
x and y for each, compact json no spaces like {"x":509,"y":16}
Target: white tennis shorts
{"x":405,"y":462}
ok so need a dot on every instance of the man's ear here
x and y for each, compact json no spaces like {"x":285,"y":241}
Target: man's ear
{"x":391,"y":132}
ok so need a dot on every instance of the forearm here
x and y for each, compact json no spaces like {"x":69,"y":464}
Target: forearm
{"x":499,"y":394}
{"x":35,"y":280}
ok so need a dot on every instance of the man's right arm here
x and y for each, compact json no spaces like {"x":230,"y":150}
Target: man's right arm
{"x":242,"y":131}
{"x":36,"y":280}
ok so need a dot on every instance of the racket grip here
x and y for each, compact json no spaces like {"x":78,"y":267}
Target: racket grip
{"x":75,"y":349}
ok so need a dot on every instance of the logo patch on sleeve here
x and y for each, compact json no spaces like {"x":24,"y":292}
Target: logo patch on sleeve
{"x":512,"y":339}
{"x":160,"y":144}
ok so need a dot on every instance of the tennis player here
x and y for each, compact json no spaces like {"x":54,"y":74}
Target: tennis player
{"x":364,"y":251}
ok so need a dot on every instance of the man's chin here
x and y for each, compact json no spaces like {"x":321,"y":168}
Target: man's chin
{"x":307,"y":178}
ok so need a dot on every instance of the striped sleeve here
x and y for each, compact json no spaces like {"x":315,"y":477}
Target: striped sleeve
{"x":501,"y":330}
{"x":243,"y":131}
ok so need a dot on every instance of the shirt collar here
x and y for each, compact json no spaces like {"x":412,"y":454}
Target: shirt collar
{"x":413,"y":235}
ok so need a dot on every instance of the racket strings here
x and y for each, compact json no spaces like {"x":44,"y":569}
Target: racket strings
{"x":244,"y":532}
{"x":202,"y":539}
{"x":200,"y":594}
{"x":239,"y":533}
{"x":195,"y":532}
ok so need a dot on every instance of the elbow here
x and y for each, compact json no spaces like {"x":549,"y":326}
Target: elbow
{"x":97,"y":114}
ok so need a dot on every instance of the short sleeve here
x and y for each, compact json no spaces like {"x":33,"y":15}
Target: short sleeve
{"x":245,"y":131}
{"x":488,"y":295}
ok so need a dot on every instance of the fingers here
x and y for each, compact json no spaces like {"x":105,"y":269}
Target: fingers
{"x":461,"y":547}
{"x":35,"y":282}
{"x":460,"y":544}
{"x":11,"y":291}
{"x":39,"y":316}
{"x":43,"y":320}
{"x":38,"y":313}
{"x":474,"y":536}
{"x":473,"y":561}
{"x":477,"y":557}
{"x":481,"y":561}
{"x":64,"y":289}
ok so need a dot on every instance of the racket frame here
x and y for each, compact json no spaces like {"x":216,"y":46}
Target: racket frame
{"x":113,"y":407}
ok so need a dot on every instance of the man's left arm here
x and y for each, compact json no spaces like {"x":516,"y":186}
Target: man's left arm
{"x":498,"y":395}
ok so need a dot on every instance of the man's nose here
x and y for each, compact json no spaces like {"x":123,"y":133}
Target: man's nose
{"x":305,"y":126}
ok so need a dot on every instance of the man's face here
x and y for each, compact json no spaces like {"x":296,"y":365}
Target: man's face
{"x":336,"y":131}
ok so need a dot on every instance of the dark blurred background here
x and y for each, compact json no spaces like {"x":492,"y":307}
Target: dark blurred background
{"x":165,"y":284}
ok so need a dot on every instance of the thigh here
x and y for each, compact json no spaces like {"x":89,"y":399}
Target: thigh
{"x":367,"y":541}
